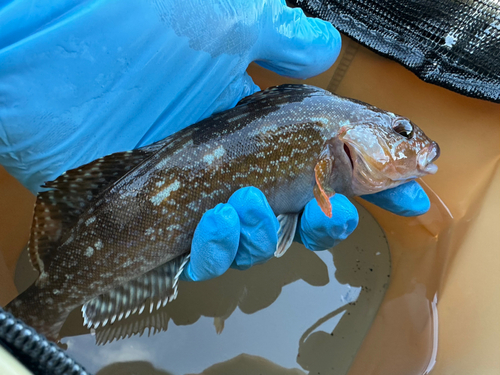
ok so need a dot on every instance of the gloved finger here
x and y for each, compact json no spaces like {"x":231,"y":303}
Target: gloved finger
{"x":241,"y":86}
{"x":214,"y":244}
{"x":405,"y":200}
{"x":258,"y":227}
{"x":319,"y":232}
{"x":294,"y":45}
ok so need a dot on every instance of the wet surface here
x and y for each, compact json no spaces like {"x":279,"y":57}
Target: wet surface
{"x":306,"y":312}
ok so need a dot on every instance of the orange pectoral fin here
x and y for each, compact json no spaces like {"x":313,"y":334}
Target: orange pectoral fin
{"x":322,"y":192}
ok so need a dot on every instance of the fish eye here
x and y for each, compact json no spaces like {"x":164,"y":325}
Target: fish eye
{"x":404,"y":128}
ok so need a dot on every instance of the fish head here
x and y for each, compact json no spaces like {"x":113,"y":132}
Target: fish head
{"x":386,"y":151}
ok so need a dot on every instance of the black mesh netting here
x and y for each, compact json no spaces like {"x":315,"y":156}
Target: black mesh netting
{"x":33,"y":350}
{"x":451,"y":43}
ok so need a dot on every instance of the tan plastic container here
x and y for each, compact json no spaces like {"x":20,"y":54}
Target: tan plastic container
{"x":440,"y":312}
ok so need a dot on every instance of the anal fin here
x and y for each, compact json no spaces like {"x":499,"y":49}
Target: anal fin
{"x":157,"y":287}
{"x":286,"y":233}
{"x":134,"y":325}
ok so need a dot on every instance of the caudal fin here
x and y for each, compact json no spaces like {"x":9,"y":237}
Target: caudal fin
{"x":38,"y":312}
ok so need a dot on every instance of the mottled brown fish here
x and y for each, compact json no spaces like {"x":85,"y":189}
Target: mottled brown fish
{"x":116,"y":233}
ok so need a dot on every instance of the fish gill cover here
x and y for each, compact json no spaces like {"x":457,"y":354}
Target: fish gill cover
{"x":451,"y":43}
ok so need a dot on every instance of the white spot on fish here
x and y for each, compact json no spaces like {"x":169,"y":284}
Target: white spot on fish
{"x":69,"y":240}
{"x":158,"y":198}
{"x":127,"y":263}
{"x":149,"y":231}
{"x":89,"y":252}
{"x":90,"y":220}
{"x":98,"y":245}
{"x":216,"y":154}
{"x":321,"y":120}
{"x":174,"y":227}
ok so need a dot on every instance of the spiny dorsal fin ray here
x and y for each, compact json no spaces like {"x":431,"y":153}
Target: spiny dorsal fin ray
{"x":58,"y":209}
{"x":157,"y":287}
{"x":281,"y":94}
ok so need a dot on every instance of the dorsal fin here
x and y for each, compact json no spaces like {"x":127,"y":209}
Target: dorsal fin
{"x":281,"y":94}
{"x":58,"y":209}
{"x":157,"y":287}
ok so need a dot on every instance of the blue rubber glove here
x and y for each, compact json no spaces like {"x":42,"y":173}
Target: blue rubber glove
{"x":318,"y":232}
{"x":245,"y":228}
{"x":250,"y":227}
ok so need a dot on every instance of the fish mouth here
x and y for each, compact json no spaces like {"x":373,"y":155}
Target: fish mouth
{"x":426,"y":158}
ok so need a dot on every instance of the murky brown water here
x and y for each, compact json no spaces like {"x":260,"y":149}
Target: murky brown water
{"x":306,"y":310}
{"x":445,"y":263}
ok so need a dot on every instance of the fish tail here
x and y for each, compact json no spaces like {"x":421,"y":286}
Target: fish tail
{"x":45,"y":317}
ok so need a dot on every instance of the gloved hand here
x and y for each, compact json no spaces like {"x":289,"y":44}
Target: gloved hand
{"x":246,"y":227}
{"x":82,"y":79}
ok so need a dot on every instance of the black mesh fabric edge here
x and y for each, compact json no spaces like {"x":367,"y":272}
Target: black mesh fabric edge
{"x":451,"y":43}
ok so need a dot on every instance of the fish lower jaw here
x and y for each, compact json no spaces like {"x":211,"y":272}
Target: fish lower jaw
{"x":429,"y":169}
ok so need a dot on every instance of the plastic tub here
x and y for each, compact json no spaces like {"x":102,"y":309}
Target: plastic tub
{"x":310,"y":313}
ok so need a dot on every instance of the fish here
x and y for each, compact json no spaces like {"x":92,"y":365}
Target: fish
{"x":115,"y":234}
